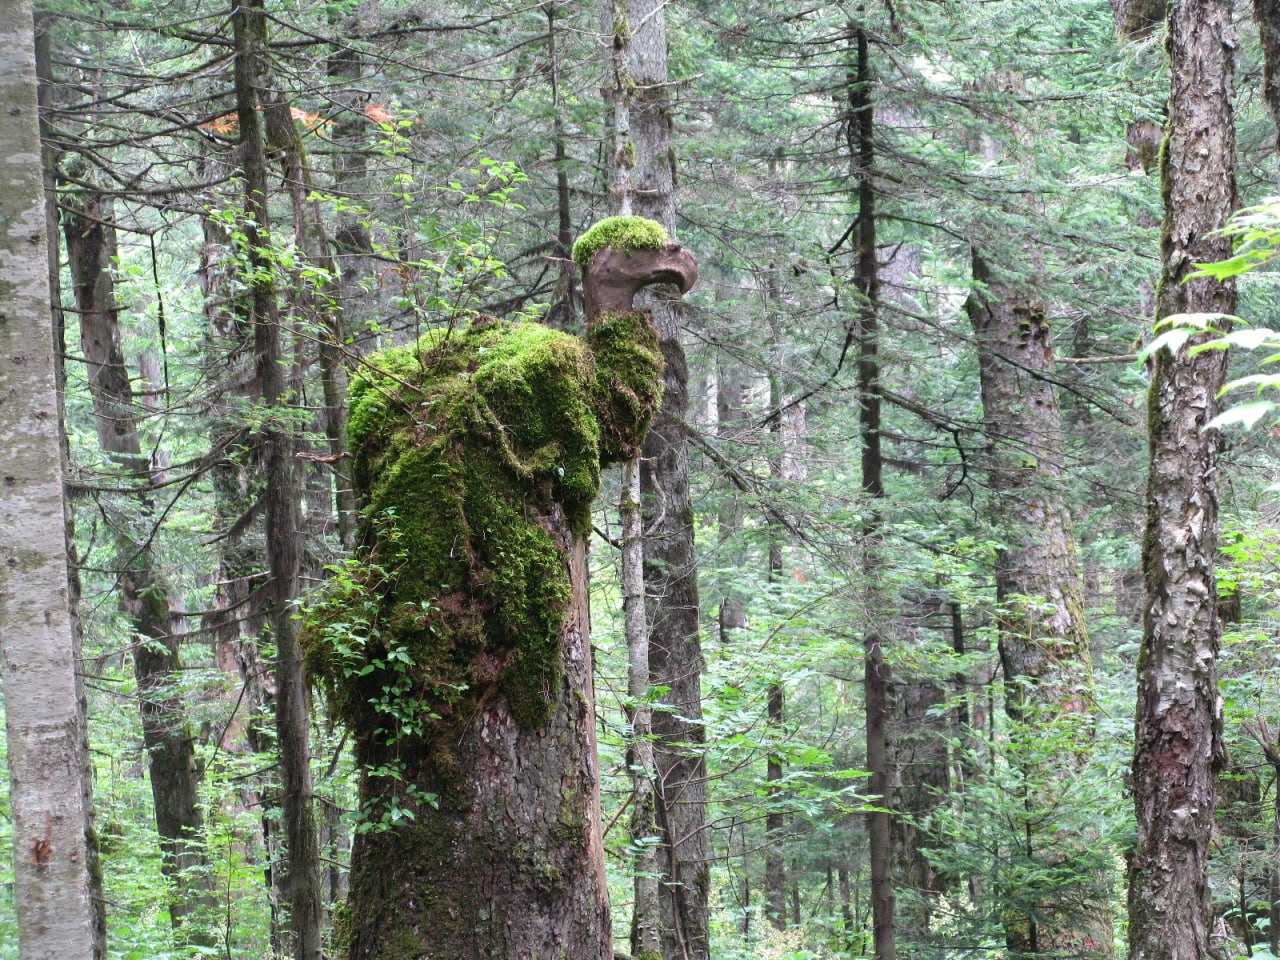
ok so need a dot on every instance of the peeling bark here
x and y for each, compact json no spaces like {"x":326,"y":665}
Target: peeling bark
{"x":1178,"y":729}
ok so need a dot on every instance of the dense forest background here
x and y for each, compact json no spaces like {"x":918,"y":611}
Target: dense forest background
{"x":915,"y":430}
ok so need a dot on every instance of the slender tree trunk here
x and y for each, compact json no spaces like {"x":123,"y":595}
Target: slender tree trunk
{"x":1179,"y":722}
{"x":646,"y":941}
{"x":169,"y":742}
{"x":729,"y":425}
{"x":44,"y":723}
{"x":283,"y":520}
{"x":1267,"y":15}
{"x":643,"y":183}
{"x":775,"y":823}
{"x":563,"y":302}
{"x":859,"y":130}
{"x":238,"y":617}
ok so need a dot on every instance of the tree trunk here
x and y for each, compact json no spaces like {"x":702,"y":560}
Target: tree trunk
{"x":775,"y":822}
{"x":43,"y":720}
{"x":1179,"y":727}
{"x":1043,"y":639}
{"x":730,"y":396}
{"x":643,"y":183}
{"x":169,"y":743}
{"x":238,"y":615}
{"x":918,"y":760}
{"x":563,"y":304}
{"x":859,"y":131}
{"x":646,"y":940}
{"x":1136,"y":19}
{"x":1267,"y":15}
{"x":49,"y":157}
{"x":283,"y":520}
{"x":507,"y":863}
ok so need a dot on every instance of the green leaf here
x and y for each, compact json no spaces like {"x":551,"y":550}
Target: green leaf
{"x":1172,"y":339}
{"x":1248,"y":338}
{"x":1245,"y":414}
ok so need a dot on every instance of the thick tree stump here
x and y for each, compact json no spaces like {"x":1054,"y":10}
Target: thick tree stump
{"x":455,"y":645}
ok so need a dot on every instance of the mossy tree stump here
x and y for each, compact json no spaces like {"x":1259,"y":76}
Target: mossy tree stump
{"x":455,"y":645}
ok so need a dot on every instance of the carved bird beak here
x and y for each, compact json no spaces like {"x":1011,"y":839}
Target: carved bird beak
{"x":614,"y":276}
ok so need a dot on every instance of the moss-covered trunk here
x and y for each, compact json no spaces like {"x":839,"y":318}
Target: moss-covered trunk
{"x":456,"y":644}
{"x":508,"y":863}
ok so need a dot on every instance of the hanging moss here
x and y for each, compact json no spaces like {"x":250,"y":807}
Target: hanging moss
{"x":621,"y":233}
{"x":473,"y":450}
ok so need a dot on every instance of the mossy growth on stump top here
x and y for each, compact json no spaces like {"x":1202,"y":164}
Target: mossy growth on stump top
{"x":477,"y":453}
{"x":622,"y":233}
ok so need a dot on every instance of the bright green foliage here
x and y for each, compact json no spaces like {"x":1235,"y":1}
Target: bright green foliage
{"x":621,"y":233}
{"x":473,"y":449}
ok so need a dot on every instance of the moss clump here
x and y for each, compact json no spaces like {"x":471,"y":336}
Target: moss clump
{"x":621,"y":233}
{"x":628,"y":388}
{"x":476,"y":451}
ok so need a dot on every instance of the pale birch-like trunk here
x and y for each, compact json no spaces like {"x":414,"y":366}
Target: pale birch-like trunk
{"x":49,"y":162}
{"x":43,"y":720}
{"x":643,"y":183}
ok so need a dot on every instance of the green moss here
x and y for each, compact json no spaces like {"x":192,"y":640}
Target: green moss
{"x":628,"y":388}
{"x":621,"y":233}
{"x":468,"y":448}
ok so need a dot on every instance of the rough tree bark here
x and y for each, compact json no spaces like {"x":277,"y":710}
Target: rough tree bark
{"x":1136,"y":19}
{"x":1043,"y":638}
{"x":643,"y":183}
{"x":281,"y":496}
{"x":1178,"y":729}
{"x":919,"y":732}
{"x":43,"y":720}
{"x":169,"y":742}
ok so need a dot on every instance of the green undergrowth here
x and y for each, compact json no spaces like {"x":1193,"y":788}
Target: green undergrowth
{"x":477,"y":454}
